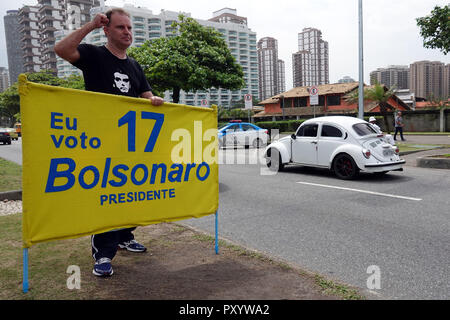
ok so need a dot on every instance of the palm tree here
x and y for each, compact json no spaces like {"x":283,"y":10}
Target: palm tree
{"x":381,"y":95}
{"x":377,"y":93}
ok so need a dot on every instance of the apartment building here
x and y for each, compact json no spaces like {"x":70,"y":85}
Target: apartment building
{"x":310,"y":65}
{"x":30,"y":38}
{"x":429,"y":79}
{"x":281,"y":73}
{"x":346,"y":79}
{"x":13,"y":44}
{"x":38,"y":25}
{"x":268,"y":64}
{"x":4,"y":79}
{"x":233,"y":28}
{"x":392,"y":76}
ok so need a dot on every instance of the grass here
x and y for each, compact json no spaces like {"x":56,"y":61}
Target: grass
{"x":427,"y":133}
{"x":332,"y":288}
{"x":447,"y":155}
{"x":407,"y":147}
{"x":48,"y":263}
{"x":10,"y":176}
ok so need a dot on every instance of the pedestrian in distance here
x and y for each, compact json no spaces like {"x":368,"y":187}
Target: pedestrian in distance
{"x":373,"y":122}
{"x":398,"y":120}
{"x":108,"y":69}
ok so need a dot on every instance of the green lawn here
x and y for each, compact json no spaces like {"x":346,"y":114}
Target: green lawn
{"x":10,"y":176}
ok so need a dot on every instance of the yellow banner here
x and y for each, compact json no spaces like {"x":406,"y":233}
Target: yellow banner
{"x":96,"y":162}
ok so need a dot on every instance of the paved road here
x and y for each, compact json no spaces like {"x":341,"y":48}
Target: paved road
{"x":297,"y":217}
{"x":12,"y":152}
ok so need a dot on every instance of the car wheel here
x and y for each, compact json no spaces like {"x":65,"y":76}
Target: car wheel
{"x":273,"y":161}
{"x":345,"y":167}
{"x":257,"y":143}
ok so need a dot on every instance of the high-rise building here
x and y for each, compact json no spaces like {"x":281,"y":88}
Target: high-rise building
{"x":271,"y":69}
{"x":4,"y":79}
{"x":281,"y":76}
{"x":29,"y":38}
{"x":311,"y":64}
{"x":447,"y":79}
{"x":13,"y":44}
{"x":300,"y":68}
{"x":392,"y":76}
{"x":346,"y":79}
{"x":39,"y":23}
{"x":234,"y":30}
{"x":429,"y":79}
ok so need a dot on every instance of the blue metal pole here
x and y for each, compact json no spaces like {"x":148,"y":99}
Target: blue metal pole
{"x":25,"y":270}
{"x":217,"y":232}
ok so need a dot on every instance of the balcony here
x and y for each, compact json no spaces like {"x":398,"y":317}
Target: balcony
{"x":48,"y":28}
{"x":23,"y":19}
{"x":43,"y":19}
{"x":49,"y":50}
{"x":24,"y":29}
{"x":46,"y":6}
{"x":48,"y":39}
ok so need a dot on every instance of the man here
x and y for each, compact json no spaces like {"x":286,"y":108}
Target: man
{"x":373,"y":121}
{"x":398,"y":126}
{"x":108,"y":69}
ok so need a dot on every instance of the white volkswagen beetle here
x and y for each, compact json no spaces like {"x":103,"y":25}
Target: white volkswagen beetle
{"x":345,"y":145}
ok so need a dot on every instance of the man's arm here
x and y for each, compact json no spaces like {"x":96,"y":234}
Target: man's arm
{"x":155,"y":100}
{"x":67,"y":48}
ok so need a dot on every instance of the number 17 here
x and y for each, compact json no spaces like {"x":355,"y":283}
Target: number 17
{"x":130,"y":119}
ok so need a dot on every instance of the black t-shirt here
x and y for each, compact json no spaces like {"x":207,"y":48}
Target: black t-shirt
{"x":104,"y":72}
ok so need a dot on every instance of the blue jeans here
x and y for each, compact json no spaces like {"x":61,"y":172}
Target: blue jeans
{"x":398,"y":129}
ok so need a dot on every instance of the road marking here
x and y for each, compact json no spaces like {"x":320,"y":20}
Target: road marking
{"x":362,"y":191}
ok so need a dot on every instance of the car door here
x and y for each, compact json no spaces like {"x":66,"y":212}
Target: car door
{"x":304,"y":147}
{"x":330,"y":138}
{"x":249,"y":133}
{"x":232,"y":134}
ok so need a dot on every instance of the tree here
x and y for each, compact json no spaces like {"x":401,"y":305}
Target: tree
{"x":377,"y":93}
{"x":435,"y":29}
{"x":10,"y":101}
{"x":196,"y":58}
{"x":381,"y":95}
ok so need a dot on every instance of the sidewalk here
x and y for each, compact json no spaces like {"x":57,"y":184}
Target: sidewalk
{"x":411,"y":158}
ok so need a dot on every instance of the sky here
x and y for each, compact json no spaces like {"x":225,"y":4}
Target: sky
{"x":391,"y":36}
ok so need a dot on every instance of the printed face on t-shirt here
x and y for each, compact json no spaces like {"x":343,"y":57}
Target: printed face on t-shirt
{"x":122,"y":82}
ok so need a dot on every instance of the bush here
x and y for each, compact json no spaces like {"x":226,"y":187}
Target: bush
{"x":282,"y":126}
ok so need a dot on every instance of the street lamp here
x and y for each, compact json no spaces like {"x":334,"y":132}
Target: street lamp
{"x":361,"y":65}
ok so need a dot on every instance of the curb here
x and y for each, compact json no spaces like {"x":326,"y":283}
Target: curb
{"x":435,"y":163}
{"x":11,"y":195}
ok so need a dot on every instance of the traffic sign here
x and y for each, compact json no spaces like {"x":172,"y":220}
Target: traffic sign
{"x":313,"y":96}
{"x":248,"y":101}
{"x":204,"y":103}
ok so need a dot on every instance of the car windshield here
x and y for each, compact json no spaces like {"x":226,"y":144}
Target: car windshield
{"x":222,"y":127}
{"x":363,"y":129}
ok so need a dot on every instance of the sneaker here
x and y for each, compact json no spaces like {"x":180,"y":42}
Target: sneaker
{"x":132,"y":246}
{"x":103,"y":268}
